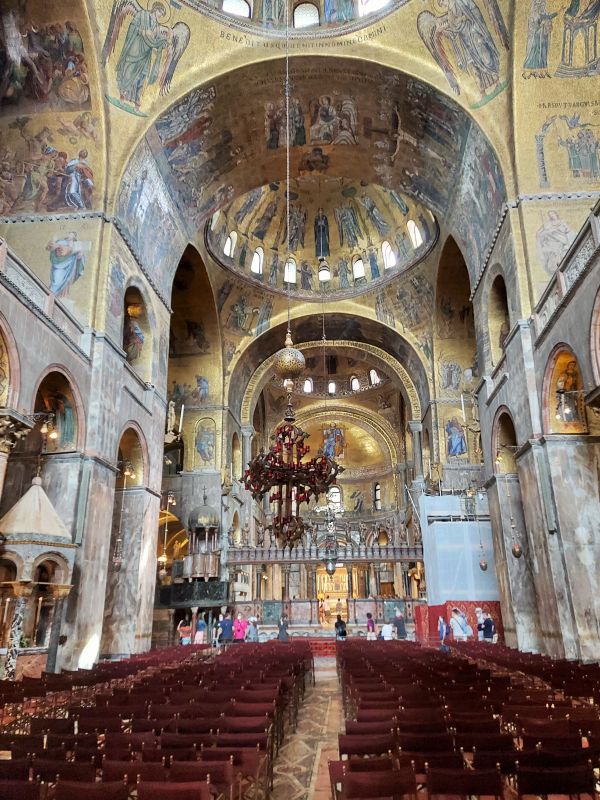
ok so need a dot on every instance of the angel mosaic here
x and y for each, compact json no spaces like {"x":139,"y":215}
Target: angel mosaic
{"x":151,"y":50}
{"x":460,"y":41}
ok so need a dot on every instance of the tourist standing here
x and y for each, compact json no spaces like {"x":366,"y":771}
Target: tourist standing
{"x":340,"y":629}
{"x":480,"y":617}
{"x":252,"y":630}
{"x":387,"y":631}
{"x":200,"y":634}
{"x":239,"y":629}
{"x":461,"y":630}
{"x":371,"y":633}
{"x":226,"y":629}
{"x":488,"y":628}
{"x":184,"y":629}
{"x":400,"y":625}
{"x":282,"y":629}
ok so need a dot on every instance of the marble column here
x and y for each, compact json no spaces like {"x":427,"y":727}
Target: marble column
{"x":22,"y":591}
{"x":248,"y":433}
{"x":350,"y":583}
{"x":416,"y":429}
{"x":60,"y":592}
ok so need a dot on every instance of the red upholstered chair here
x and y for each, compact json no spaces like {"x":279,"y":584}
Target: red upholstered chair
{"x":174,"y":791}
{"x":464,"y":782}
{"x":48,"y":770}
{"x":17,"y":769}
{"x":386,"y":783}
{"x":383,"y":726}
{"x":570,"y":781}
{"x":20,"y":790}
{"x":129,"y":771}
{"x":72,"y":790}
{"x":497,"y":742}
{"x":373,"y":744}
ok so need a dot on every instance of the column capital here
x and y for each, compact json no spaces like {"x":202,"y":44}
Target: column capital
{"x":22,"y":588}
{"x":13,"y":426}
{"x":248,"y":430}
{"x":60,"y":590}
{"x":414,"y":426}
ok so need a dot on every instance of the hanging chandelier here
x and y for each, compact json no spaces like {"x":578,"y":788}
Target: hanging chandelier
{"x":281,"y":472}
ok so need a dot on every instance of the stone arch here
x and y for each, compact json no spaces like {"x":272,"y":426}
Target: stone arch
{"x":10,"y":367}
{"x":504,"y":442}
{"x":61,"y":568}
{"x":563,"y":408}
{"x":17,"y":562}
{"x":595,"y":339}
{"x":133,"y":450}
{"x":260,"y":377}
{"x":57,"y":392}
{"x":139,"y":324}
{"x":498,"y":321}
{"x":489,"y":342}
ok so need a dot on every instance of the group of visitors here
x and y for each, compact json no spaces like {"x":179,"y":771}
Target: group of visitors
{"x":225,"y":630}
{"x":391,"y":629}
{"x":462,"y":630}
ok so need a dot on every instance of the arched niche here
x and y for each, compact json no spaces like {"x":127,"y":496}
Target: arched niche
{"x":137,"y":333}
{"x":595,"y":339}
{"x":131,"y":460}
{"x":426,"y":451}
{"x":8,"y":357}
{"x":504,"y":444}
{"x":59,"y":431}
{"x":563,"y":405}
{"x":195,"y":358}
{"x":236,"y":457}
{"x":498,"y":318}
{"x":235,"y":533}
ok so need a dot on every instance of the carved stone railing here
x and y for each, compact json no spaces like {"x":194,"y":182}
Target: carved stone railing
{"x":579,"y":259}
{"x":300,"y":555}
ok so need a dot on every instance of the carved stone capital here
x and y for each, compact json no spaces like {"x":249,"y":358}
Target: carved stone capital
{"x":22,"y":588}
{"x":60,"y":590}
{"x":414,"y":426}
{"x":13,"y":427}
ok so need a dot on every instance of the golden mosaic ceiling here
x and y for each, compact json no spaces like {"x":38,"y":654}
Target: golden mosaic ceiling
{"x":366,"y":233}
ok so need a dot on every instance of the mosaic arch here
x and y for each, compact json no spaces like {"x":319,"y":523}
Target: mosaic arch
{"x":595,"y":339}
{"x":354,"y":121}
{"x":6,"y":376}
{"x":563,"y":406}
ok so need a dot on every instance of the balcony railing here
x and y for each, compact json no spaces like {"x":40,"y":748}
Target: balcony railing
{"x":358,"y":553}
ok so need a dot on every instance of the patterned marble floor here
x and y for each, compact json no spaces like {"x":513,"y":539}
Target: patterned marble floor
{"x":301,"y":771}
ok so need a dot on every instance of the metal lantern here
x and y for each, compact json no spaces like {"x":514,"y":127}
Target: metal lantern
{"x":330,"y":567}
{"x":289,"y":362}
{"x":483,"y":565}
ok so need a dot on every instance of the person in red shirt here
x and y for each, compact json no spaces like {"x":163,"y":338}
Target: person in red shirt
{"x":240,"y":626}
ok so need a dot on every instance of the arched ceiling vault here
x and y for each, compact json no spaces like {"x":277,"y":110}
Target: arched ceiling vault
{"x":262,"y":375}
{"x":361,"y":333}
{"x":351,"y":119}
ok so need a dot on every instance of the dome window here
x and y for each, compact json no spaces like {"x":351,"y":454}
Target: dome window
{"x":238,"y":8}
{"x":354,"y":384}
{"x":257,"y":261}
{"x":389,"y":258}
{"x":229,"y":246}
{"x":414,"y":233}
{"x":305,"y":15}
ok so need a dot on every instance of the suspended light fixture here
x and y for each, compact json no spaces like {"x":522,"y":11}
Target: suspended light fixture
{"x":281,"y":472}
{"x":324,"y":271}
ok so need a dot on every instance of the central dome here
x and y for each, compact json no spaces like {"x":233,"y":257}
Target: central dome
{"x":367,"y":235}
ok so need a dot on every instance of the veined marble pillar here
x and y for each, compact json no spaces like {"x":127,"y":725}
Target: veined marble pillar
{"x":416,"y":429}
{"x":22,"y":592}
{"x":60,"y":592}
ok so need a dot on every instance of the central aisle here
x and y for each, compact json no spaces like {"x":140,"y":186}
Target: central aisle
{"x":300,"y":771}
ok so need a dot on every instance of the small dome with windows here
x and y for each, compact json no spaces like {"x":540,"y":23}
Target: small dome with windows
{"x":345,"y":237}
{"x":203,"y":516}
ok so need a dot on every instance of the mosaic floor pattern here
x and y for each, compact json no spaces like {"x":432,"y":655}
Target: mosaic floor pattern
{"x":300,"y":771}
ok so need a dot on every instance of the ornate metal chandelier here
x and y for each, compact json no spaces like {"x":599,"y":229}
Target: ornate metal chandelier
{"x":281,"y":471}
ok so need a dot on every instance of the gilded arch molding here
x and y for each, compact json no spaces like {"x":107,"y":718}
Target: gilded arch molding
{"x":258,"y":379}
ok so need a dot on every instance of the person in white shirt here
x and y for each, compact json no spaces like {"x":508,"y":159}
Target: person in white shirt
{"x":387,"y":631}
{"x":480,"y":618}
